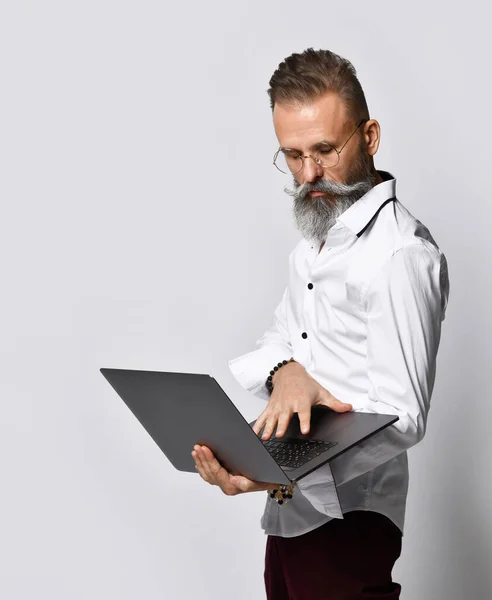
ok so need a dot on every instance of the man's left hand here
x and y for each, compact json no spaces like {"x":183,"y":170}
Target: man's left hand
{"x":213,"y":472}
{"x":295,"y":391}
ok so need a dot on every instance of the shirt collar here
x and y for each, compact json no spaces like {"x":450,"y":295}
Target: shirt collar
{"x":359,"y":215}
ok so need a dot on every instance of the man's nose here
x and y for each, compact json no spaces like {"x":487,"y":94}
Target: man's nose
{"x":311,"y":171}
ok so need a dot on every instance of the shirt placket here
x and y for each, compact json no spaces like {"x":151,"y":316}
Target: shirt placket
{"x":308,"y":314}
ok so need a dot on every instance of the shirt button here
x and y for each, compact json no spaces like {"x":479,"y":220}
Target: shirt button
{"x":304,"y":335}
{"x":310,"y":286}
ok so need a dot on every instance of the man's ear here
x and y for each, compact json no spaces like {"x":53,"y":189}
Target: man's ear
{"x":371,"y":135}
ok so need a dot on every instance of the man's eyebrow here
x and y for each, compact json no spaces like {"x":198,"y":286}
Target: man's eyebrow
{"x":313,"y":147}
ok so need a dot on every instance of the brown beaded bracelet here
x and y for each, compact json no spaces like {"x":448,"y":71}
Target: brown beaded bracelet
{"x":283,"y":494}
{"x":269,"y":382}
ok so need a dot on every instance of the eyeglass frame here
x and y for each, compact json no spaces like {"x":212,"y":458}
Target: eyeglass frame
{"x":303,"y":156}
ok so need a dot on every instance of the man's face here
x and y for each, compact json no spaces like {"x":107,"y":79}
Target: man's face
{"x":322,"y":195}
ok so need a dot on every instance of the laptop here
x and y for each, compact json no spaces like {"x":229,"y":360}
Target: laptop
{"x":180,"y":410}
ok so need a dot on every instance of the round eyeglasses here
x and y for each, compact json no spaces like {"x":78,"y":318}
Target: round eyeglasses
{"x":326,"y":156}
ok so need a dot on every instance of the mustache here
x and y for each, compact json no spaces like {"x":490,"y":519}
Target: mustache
{"x":300,"y":191}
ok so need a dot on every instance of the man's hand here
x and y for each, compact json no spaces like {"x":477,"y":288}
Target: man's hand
{"x":294,"y":391}
{"x":213,"y":472}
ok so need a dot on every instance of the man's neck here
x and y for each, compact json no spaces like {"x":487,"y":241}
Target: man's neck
{"x":379,"y":179}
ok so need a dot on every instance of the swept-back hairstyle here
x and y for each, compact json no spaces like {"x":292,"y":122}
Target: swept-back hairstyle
{"x":309,"y":75}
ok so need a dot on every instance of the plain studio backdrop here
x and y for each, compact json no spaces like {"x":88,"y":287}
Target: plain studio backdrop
{"x":144,"y":226}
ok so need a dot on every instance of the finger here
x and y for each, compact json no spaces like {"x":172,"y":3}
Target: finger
{"x":270,"y":427}
{"x":208,"y":459}
{"x":197,"y":458}
{"x":217,"y":474}
{"x":305,"y":418}
{"x":246,"y":485}
{"x":199,"y":462}
{"x":215,"y":470}
{"x":203,"y":461}
{"x":339,"y":406}
{"x":335,"y":404}
{"x":241,"y":483}
{"x":344,"y":406}
{"x":199,"y":467}
{"x":204,"y":464}
{"x":260,"y":421}
{"x":283,"y":422}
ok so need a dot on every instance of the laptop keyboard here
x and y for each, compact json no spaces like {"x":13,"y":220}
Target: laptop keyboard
{"x":295,"y":453}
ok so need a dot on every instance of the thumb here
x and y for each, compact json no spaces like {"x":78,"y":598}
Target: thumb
{"x":335,"y":404}
{"x":241,"y":483}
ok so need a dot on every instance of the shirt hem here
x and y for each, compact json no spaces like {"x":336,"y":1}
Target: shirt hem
{"x":347,"y":510}
{"x":381,"y":512}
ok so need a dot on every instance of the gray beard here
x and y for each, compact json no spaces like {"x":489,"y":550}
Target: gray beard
{"x":314,"y":217}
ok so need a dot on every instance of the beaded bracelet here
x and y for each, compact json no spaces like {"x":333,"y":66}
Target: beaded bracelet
{"x":283,"y":494}
{"x":269,"y":382}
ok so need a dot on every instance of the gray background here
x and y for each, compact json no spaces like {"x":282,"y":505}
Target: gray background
{"x":143,"y":226}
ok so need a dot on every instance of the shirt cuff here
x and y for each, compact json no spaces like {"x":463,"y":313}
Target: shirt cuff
{"x":320,"y":489}
{"x":252,"y":369}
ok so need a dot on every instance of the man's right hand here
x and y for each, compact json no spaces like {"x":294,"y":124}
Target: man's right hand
{"x":294,"y":391}
{"x":213,"y":472}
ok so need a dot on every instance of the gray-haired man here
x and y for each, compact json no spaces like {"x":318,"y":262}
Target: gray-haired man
{"x":361,"y":318}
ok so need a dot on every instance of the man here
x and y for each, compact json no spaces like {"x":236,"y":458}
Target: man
{"x":359,"y":324}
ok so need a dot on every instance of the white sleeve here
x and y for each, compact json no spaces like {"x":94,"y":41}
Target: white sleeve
{"x":252,"y":369}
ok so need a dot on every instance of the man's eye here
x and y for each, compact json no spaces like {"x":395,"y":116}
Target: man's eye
{"x":324,"y":150}
{"x":291,"y":154}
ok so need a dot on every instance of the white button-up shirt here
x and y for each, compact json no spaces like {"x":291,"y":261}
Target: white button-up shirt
{"x":368,"y":330}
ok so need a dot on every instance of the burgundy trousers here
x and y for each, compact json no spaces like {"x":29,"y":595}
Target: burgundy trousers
{"x":344,"y":559}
